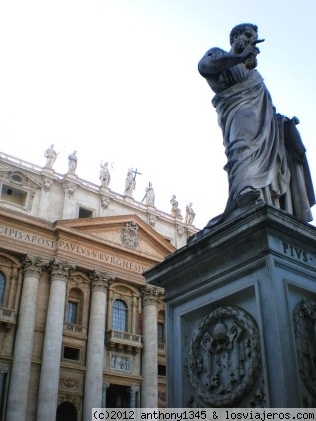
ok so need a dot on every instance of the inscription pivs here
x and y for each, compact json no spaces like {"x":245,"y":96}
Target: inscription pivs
{"x":297,"y":253}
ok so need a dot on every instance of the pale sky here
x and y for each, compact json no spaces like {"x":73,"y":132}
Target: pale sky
{"x":117,"y":81}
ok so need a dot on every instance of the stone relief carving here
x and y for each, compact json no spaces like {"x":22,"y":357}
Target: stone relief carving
{"x":69,"y":189}
{"x":47,"y":184}
{"x":180,"y":231}
{"x":129,"y":235}
{"x":120,"y":363}
{"x":105,"y":202}
{"x":304,"y":318}
{"x":69,"y":383}
{"x":224,"y":358}
{"x":258,"y":399}
{"x":152,"y":220}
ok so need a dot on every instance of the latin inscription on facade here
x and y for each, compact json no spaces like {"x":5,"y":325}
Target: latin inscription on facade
{"x":77,"y":249}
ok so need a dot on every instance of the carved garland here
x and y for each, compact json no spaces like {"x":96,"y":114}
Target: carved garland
{"x":224,"y":358}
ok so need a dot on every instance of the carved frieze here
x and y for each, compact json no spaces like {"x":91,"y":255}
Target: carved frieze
{"x":304,"y":318}
{"x":224,"y":358}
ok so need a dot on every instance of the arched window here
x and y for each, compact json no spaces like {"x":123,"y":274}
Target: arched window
{"x":74,"y":307}
{"x":2,"y":287}
{"x":119,"y":316}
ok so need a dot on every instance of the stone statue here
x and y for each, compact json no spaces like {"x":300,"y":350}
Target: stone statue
{"x":175,"y":211}
{"x":189,"y":214}
{"x":149,"y":195}
{"x":266,"y":158}
{"x":72,"y":161}
{"x":50,"y":155}
{"x":105,"y":174}
{"x":129,"y":183}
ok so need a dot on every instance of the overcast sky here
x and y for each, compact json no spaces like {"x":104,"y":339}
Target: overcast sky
{"x":117,"y":81}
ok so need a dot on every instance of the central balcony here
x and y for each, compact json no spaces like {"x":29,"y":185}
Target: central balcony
{"x":123,"y":341}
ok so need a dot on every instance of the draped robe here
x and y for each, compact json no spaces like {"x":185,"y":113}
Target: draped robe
{"x":264,"y":149}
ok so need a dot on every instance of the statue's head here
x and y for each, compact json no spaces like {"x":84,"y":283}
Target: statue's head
{"x":238,"y":29}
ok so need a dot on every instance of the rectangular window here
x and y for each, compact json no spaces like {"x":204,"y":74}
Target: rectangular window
{"x":71,"y":353}
{"x":72,"y":312}
{"x":85,"y":213}
{"x":12,"y":195}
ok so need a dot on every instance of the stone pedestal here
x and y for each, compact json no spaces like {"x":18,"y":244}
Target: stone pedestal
{"x":241,"y":312}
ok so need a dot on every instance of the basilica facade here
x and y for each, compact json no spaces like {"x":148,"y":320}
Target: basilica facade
{"x":79,"y":325}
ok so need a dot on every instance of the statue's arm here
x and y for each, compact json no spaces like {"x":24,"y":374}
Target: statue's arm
{"x":216,"y":60}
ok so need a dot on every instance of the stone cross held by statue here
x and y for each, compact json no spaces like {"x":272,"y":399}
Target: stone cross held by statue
{"x":135,"y":172}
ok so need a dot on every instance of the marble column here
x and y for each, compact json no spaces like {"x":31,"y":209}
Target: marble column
{"x":95,"y":345}
{"x":151,"y":296}
{"x":22,"y":356}
{"x":49,"y":379}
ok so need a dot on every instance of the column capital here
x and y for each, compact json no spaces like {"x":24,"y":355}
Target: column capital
{"x":33,"y":265}
{"x":100,"y":280}
{"x":60,"y":269}
{"x":151,"y":295}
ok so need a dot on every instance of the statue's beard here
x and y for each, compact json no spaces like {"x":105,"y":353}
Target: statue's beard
{"x":240,"y":45}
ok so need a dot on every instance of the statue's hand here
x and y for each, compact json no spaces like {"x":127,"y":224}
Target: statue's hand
{"x":249,"y":51}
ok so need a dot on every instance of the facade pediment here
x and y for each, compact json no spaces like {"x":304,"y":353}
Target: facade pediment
{"x":128,"y":232}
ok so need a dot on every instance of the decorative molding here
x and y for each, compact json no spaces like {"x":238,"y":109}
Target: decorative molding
{"x":224,"y":359}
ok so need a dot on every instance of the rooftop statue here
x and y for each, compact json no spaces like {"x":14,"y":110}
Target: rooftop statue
{"x":72,"y":163}
{"x":149,"y":195}
{"x":266,"y":158}
{"x":105,"y":176}
{"x":130,"y":183}
{"x":50,"y":155}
